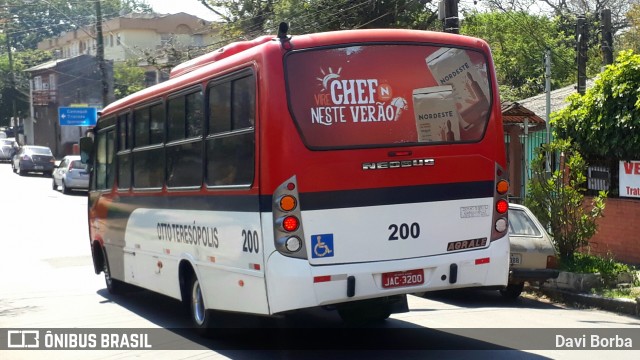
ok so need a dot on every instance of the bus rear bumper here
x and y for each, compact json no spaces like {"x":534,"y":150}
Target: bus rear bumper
{"x":295,"y":284}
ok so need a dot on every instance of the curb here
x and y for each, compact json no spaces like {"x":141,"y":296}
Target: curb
{"x":581,"y":300}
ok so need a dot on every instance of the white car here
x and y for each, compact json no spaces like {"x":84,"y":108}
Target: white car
{"x":71,"y":174}
{"x":533,"y":256}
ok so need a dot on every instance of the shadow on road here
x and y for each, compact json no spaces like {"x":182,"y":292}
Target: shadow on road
{"x":308,"y":334}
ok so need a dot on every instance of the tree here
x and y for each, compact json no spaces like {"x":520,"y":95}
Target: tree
{"x":557,"y":199}
{"x":604,"y":123}
{"x":251,"y":18}
{"x":630,"y":39}
{"x":128,"y":78}
{"x":518,"y":41}
{"x":18,"y":94}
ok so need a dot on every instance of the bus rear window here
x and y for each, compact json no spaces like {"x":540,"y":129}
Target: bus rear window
{"x":385,"y":95}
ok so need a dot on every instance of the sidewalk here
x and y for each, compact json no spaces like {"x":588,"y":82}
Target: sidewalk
{"x":586,"y":300}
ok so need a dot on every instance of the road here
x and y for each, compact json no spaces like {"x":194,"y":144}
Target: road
{"x":47,"y":282}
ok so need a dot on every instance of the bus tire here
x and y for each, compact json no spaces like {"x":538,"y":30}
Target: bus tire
{"x":114,"y":286}
{"x":512,"y":291}
{"x":364,"y":313}
{"x":200,"y":316}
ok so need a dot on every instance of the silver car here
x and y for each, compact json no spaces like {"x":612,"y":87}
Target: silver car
{"x":533,"y":256}
{"x":8,"y":148}
{"x":71,"y":174}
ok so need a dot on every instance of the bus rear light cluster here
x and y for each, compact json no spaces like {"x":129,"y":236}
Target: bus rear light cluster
{"x":501,"y":205}
{"x":288,"y":234}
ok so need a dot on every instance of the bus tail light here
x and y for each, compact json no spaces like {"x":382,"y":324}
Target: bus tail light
{"x":287,"y":225}
{"x":552,"y":262}
{"x":501,"y":205}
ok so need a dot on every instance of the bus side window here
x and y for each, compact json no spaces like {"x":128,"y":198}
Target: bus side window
{"x":184,"y":158}
{"x":230,"y":143}
{"x":105,"y":160}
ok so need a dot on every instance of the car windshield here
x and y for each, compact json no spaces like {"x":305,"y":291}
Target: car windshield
{"x":40,"y":151}
{"x":77,"y":164}
{"x":521,"y":224}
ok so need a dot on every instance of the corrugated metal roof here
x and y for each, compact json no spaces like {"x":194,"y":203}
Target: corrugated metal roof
{"x":538,"y":103}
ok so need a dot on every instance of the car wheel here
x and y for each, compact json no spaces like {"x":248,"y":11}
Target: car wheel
{"x":512,"y":291}
{"x":201,"y":317}
{"x":65,"y":189}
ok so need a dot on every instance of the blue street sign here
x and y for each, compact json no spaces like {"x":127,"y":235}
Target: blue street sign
{"x":78,"y":116}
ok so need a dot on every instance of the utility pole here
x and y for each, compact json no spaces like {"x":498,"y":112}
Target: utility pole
{"x":581,"y":52}
{"x":100,"y":56}
{"x":607,"y":37}
{"x":547,"y":87}
{"x":448,"y":12}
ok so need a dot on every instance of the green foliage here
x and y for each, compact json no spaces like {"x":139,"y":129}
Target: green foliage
{"x":251,"y":18}
{"x":630,"y":39}
{"x":557,"y":199}
{"x":519,"y":55}
{"x":604,"y":123}
{"x":128,"y":78}
{"x":606,"y":266}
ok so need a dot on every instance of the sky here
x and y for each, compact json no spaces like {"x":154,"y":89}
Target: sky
{"x":193,"y":7}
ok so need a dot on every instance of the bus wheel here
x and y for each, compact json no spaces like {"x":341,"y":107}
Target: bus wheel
{"x":366,"y":312}
{"x":200,"y":316}
{"x":114,"y":286}
{"x":512,"y":291}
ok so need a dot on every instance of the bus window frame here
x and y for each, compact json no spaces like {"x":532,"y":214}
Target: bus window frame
{"x":184,"y":93}
{"x":229,"y":78}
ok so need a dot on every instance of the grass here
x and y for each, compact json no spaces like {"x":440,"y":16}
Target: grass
{"x":609,"y":269}
{"x":625,"y":293}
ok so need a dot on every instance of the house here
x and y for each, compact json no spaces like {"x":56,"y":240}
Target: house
{"x":74,"y":81}
{"x":144,"y":38}
{"x":617,"y":231}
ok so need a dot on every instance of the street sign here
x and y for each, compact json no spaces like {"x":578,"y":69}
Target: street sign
{"x":77,"y":116}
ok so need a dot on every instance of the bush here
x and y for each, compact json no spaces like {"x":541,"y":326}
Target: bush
{"x":606,"y":266}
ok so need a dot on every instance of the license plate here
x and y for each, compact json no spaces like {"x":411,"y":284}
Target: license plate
{"x":515,"y":259}
{"x":402,"y":278}
{"x":38,"y":167}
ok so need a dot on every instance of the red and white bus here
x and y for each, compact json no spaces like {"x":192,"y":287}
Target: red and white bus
{"x":342,"y":169}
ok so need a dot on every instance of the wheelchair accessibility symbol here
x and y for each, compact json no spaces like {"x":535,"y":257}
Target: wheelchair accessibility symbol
{"x":322,"y":245}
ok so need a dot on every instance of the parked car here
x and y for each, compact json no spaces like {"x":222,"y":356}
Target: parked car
{"x":533,"y":256}
{"x":8,"y":148}
{"x":71,"y":174}
{"x":31,"y":158}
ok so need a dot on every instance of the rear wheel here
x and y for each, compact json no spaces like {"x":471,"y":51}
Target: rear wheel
{"x":512,"y":291}
{"x":364,"y":312}
{"x":200,"y":316}
{"x":114,"y":286}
